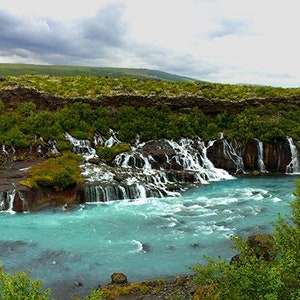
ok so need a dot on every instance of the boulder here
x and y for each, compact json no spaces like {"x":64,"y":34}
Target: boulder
{"x":118,"y":278}
{"x":261,"y":245}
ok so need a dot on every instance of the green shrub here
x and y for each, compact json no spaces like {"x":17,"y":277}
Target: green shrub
{"x":107,"y":154}
{"x":19,"y":286}
{"x":26,"y":108}
{"x":58,"y":173}
{"x":253,"y":276}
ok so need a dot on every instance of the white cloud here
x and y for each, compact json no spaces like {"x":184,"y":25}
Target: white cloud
{"x":230,"y":41}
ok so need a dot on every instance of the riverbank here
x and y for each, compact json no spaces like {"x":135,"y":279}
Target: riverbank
{"x":179,"y":287}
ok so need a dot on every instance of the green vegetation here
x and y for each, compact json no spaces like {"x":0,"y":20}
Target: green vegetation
{"x":59,"y":173}
{"x":98,"y":86}
{"x":27,"y":125}
{"x":29,"y":122}
{"x":56,"y":70}
{"x":254,"y":275}
{"x":107,"y":154}
{"x":19,"y":286}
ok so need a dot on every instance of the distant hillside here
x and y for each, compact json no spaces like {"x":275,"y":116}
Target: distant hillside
{"x":56,"y":70}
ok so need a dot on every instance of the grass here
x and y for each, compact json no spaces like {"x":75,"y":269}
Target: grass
{"x":93,"y":83}
{"x":56,"y":70}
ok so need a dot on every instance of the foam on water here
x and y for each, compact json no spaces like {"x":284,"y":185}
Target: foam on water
{"x":145,"y":238}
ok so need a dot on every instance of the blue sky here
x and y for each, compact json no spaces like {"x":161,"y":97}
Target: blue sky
{"x":228,"y":41}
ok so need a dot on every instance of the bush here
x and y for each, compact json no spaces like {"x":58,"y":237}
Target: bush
{"x":108,"y":154}
{"x":253,"y":276}
{"x":19,"y":286}
{"x":59,"y":173}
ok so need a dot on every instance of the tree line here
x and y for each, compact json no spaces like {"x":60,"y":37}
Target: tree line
{"x":26,"y":125}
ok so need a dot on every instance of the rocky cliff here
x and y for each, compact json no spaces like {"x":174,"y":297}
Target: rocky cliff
{"x":14,"y":96}
{"x":152,"y":169}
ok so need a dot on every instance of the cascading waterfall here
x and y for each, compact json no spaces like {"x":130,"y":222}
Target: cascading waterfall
{"x":11,"y":197}
{"x":192,"y":156}
{"x":260,"y":154}
{"x":7,"y":200}
{"x":82,"y":147}
{"x":136,"y":174}
{"x":230,"y":152}
{"x":294,"y":166}
{"x":214,"y":173}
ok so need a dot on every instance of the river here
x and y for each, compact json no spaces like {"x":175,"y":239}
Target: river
{"x":75,"y":250}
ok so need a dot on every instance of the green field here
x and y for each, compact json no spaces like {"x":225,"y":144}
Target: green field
{"x":55,"y":70}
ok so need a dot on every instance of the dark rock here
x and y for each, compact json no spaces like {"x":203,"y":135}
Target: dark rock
{"x":216,"y":155}
{"x":146,"y":247}
{"x":160,"y":150}
{"x":196,"y":245}
{"x":261,"y":245}
{"x":277,"y":156}
{"x":78,"y":283}
{"x":250,"y":155}
{"x":118,"y":278}
{"x":120,"y":177}
{"x":94,"y":160}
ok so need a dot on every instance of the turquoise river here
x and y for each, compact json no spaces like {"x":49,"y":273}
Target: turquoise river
{"x":73,"y":251}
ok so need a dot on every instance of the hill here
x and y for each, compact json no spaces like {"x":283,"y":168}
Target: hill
{"x":56,"y":70}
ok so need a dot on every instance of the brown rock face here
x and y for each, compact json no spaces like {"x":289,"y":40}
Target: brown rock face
{"x":12,"y":97}
{"x":36,"y":199}
{"x":218,"y":157}
{"x":276,"y":155}
{"x":250,"y":155}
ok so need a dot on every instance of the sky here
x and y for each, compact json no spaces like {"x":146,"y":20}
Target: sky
{"x":225,"y":41}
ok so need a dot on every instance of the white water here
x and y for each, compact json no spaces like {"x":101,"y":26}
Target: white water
{"x":82,"y":147}
{"x":231,"y":152}
{"x":260,"y":153}
{"x":145,"y":238}
{"x":294,"y":166}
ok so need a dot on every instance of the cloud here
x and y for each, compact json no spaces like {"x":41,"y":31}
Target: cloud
{"x":229,"y":27}
{"x":216,"y":40}
{"x":54,"y":41}
{"x":106,"y":27}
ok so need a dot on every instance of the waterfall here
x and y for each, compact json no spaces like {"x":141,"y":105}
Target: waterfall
{"x":214,"y":173}
{"x":2,"y":201}
{"x":150,"y":169}
{"x":52,"y":147}
{"x":293,"y":167}
{"x":82,"y":147}
{"x":98,"y":193}
{"x":7,"y":201}
{"x":11,"y":197}
{"x":4,"y":150}
{"x":260,"y":153}
{"x":230,"y":152}
{"x":192,"y":156}
{"x":112,"y":140}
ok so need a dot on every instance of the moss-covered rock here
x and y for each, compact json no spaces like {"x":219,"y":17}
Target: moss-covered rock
{"x":58,"y":173}
{"x":108,"y":154}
